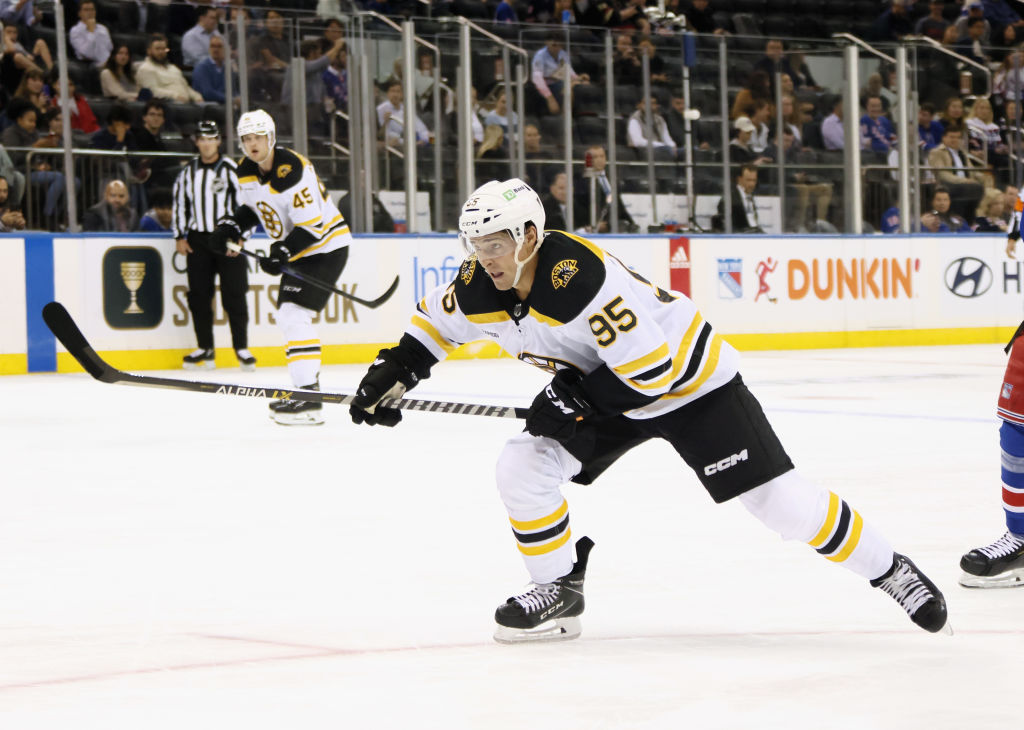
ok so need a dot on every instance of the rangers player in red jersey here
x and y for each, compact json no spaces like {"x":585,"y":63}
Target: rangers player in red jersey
{"x":632,"y":362}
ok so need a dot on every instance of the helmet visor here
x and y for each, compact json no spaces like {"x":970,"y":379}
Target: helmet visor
{"x":489,"y":246}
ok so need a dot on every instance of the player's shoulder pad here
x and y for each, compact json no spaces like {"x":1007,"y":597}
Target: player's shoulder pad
{"x":248,"y":170}
{"x":570,"y":273}
{"x":287,"y":169}
{"x":474,"y":290}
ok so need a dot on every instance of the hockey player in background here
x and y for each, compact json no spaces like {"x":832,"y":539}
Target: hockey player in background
{"x":1001,"y":564}
{"x":280,"y":189}
{"x":632,"y":362}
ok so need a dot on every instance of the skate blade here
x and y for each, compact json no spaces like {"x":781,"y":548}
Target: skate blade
{"x":1009,"y":579}
{"x":204,"y":365}
{"x":298,"y":419}
{"x":247,"y":368}
{"x":561,"y":629}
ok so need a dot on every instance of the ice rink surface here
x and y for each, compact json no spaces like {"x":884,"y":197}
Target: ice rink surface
{"x":176,"y":560}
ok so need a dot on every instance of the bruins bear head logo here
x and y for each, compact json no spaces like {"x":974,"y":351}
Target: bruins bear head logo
{"x":468,"y":269}
{"x":283,"y":170}
{"x":563,"y":271}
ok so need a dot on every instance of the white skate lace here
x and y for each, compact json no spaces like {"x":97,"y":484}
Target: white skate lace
{"x":908,"y":590}
{"x":542,"y":596}
{"x":1002,"y":547}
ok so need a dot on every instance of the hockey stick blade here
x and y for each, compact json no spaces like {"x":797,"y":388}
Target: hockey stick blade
{"x":370,"y":303}
{"x":64,"y":329}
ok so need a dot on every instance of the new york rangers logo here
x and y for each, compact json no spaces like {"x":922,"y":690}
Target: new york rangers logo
{"x":1007,"y":389}
{"x":730,"y":278}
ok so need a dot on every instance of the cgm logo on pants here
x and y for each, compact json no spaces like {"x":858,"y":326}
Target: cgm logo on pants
{"x":133,"y":287}
{"x":968,"y":277}
{"x":725,"y":463}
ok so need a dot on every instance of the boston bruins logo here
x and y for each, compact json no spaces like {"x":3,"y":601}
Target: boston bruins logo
{"x":271,"y":222}
{"x":548,"y":364}
{"x":563,"y":271}
{"x":468,"y":269}
{"x":283,"y":170}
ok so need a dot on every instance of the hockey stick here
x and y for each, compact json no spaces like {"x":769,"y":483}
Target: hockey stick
{"x":286,"y":269}
{"x":65,"y":329}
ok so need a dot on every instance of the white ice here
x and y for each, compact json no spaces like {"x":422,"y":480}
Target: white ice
{"x":175,"y":560}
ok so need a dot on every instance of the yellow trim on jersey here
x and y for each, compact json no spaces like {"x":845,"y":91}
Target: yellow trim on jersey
{"x":599,"y":252}
{"x":308,"y":251}
{"x":551,"y":519}
{"x":678,"y":361}
{"x":248,"y":179}
{"x":544,"y":319}
{"x":303,"y":343}
{"x":488,"y":317}
{"x":706,"y":372}
{"x":423,"y":305}
{"x":548,"y":547}
{"x":852,"y":540}
{"x":642,"y":362}
{"x":321,"y":227}
{"x":830,"y":522}
{"x":304,"y":356}
{"x":433,"y":332}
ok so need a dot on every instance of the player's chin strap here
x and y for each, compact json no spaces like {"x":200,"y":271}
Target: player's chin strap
{"x":524,"y":262}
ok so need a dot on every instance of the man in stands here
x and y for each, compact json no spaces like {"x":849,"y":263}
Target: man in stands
{"x":162,"y":77}
{"x":195,"y":44}
{"x":91,"y":40}
{"x":208,"y":75}
{"x":113,"y":213}
{"x":550,"y":68}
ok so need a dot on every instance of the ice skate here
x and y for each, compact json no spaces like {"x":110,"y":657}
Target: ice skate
{"x":915,"y":593}
{"x":999,"y":565}
{"x":549,"y":611}
{"x":289,"y":412}
{"x":199,"y":360}
{"x":246,"y":361}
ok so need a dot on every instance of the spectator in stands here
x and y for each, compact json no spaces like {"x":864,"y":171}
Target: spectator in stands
{"x":929,"y":131}
{"x":148,"y":137}
{"x":33,"y":90}
{"x":533,"y":150}
{"x":963,"y":182}
{"x":774,"y":57}
{"x":792,"y":118}
{"x":208,"y":75}
{"x":655,"y":62}
{"x":758,"y":88}
{"x":800,"y":73}
{"x":1000,"y":15}
{"x":505,"y":13}
{"x":605,"y":198}
{"x":989,"y":217}
{"x":333,"y":30}
{"x":11,"y":219}
{"x":91,"y":40}
{"x":14,"y":178}
{"x":117,"y":135}
{"x":158,"y":219}
{"x":555,"y":202}
{"x":876,"y":131}
{"x":499,"y":115}
{"x":626,"y":63}
{"x":195,"y":44}
{"x":82,"y":117}
{"x":17,"y":60}
{"x":874,"y":87}
{"x":984,"y":138}
{"x":810,"y":190}
{"x":952,"y":113}
{"x":970,"y":46}
{"x":675,"y":117}
{"x":832,"y":133}
{"x":740,"y":152}
{"x":335,"y":79}
{"x":614,"y":14}
{"x":974,"y":9}
{"x":19,"y":12}
{"x":762,"y":115}
{"x":892,"y":24}
{"x":391,"y":118}
{"x":315,"y":63}
{"x":162,"y":77}
{"x":117,"y":79}
{"x":933,"y":25}
{"x":700,"y":18}
{"x":564,"y":13}
{"x":268,"y":63}
{"x":744,"y":209}
{"x":423,"y":79}
{"x":23,"y":133}
{"x":947,"y":220}
{"x":1008,"y":81}
{"x":636,"y":130}
{"x":549,"y":69}
{"x":113,"y":213}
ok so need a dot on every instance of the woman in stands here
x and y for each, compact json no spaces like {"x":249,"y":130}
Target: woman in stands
{"x":758,"y":88}
{"x":985,"y":141}
{"x":33,"y":89}
{"x":118,"y":77}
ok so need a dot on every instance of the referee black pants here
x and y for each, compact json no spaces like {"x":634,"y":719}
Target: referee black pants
{"x":202,"y":267}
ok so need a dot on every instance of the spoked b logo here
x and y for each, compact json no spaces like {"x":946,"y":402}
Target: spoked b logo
{"x":968,"y":277}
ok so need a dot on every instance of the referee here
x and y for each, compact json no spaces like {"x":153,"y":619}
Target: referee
{"x":204,"y":191}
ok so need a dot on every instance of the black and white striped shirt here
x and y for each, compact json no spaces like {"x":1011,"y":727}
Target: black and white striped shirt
{"x":203,"y":194}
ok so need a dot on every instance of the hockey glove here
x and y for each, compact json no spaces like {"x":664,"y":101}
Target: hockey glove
{"x":279,"y":256}
{"x":225,"y":232}
{"x":558,"y":408}
{"x":386,"y":378}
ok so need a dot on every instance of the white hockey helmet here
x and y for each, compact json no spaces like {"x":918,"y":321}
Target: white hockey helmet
{"x":257,"y":122}
{"x":503,"y":206}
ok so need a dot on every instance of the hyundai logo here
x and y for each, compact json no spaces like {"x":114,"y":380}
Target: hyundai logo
{"x":968,"y":277}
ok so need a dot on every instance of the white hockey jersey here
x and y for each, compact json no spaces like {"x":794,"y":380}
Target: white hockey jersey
{"x":292,"y":196}
{"x":585,"y":309}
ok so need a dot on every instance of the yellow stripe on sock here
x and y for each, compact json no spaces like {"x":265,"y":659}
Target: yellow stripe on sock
{"x":852,"y":540}
{"x":830,"y":522}
{"x":548,"y":547}
{"x":542,"y":521}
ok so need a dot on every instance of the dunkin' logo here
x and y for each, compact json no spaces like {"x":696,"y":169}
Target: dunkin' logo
{"x":874,"y":278}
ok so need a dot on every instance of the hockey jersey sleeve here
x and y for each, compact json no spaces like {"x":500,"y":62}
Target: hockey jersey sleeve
{"x":310,"y":211}
{"x":439,"y":324}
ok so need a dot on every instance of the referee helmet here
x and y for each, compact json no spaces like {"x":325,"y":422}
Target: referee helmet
{"x":208,"y":128}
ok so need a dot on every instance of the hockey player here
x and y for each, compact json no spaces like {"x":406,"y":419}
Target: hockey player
{"x":1001,"y":564}
{"x":632,"y":362}
{"x":280,"y":189}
